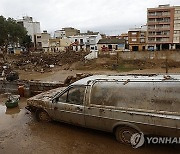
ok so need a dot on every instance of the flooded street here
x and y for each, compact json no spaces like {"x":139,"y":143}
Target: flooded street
{"x":20,"y":133}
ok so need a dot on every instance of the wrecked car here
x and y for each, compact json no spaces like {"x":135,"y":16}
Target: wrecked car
{"x":123,"y":104}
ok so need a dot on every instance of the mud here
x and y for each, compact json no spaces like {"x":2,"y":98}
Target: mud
{"x":61,"y":75}
{"x":20,"y":133}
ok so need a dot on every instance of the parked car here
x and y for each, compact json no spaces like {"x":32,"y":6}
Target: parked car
{"x":122,"y":105}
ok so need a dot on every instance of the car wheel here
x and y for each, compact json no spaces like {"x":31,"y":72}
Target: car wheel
{"x":42,"y":116}
{"x":124,"y":133}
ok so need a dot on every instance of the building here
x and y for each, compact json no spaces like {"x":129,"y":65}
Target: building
{"x":85,"y":41}
{"x":42,"y":41}
{"x":66,"y":32}
{"x":176,"y":38}
{"x":124,"y":36}
{"x":59,"y":34}
{"x":111,"y":44}
{"x":163,"y":27}
{"x":32,"y":27}
{"x":57,"y":44}
{"x":137,"y":39}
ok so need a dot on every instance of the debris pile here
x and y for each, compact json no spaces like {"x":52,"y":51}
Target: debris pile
{"x":72,"y":79}
{"x":45,"y":62}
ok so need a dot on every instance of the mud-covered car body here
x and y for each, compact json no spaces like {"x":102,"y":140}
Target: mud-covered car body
{"x":150,"y":104}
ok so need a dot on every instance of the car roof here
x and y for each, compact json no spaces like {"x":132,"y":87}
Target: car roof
{"x":131,"y":77}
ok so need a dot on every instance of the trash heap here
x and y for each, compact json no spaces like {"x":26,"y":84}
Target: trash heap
{"x":44,"y":62}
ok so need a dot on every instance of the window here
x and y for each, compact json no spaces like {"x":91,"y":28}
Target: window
{"x":81,"y":40}
{"x":151,"y":39}
{"x":134,"y":33}
{"x":176,"y":38}
{"x":166,"y":32}
{"x":142,"y":34}
{"x":92,"y":48}
{"x":177,"y":11}
{"x":142,"y":40}
{"x":74,"y":95}
{"x":134,"y":40}
{"x":176,"y":32}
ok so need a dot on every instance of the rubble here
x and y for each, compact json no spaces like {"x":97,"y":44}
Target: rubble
{"x":42,"y":62}
{"x":72,"y":79}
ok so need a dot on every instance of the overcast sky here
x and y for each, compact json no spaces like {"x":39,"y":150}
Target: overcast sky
{"x":105,"y":16}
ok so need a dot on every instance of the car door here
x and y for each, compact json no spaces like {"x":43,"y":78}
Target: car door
{"x":69,"y":107}
{"x":97,"y":114}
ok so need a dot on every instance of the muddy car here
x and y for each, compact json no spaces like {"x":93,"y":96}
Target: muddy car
{"x":122,"y":105}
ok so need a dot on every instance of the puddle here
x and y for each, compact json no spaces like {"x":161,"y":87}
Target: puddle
{"x":10,"y":116}
{"x":2,"y":109}
{"x":12,"y":111}
{"x":8,"y":111}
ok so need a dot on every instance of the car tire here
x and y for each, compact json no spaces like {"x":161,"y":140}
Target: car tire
{"x":124,"y":133}
{"x":43,"y":116}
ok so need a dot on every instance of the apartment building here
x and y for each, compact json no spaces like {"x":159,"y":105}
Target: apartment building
{"x":137,"y":39}
{"x":176,"y":38}
{"x":42,"y":41}
{"x":32,"y":27}
{"x":163,"y":27}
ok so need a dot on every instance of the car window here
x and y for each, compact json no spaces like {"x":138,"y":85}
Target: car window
{"x":74,"y":95}
{"x":63,"y":97}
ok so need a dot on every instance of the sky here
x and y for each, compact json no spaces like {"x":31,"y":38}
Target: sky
{"x":111,"y":17}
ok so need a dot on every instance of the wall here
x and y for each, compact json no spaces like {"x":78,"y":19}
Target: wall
{"x":32,"y":28}
{"x":31,"y":88}
{"x":172,"y":55}
{"x":120,"y":47}
{"x":65,"y":42}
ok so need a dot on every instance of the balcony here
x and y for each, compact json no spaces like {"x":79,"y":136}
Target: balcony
{"x":159,"y":14}
{"x":159,"y":29}
{"x":159,"y":40}
{"x":159,"y":36}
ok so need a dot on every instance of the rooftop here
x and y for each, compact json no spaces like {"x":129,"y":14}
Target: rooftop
{"x":111,"y":41}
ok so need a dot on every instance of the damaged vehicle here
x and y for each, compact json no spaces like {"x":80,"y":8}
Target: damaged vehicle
{"x":123,"y":105}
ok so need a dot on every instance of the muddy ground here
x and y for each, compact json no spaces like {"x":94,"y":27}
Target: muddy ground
{"x":20,"y":133}
{"x":60,"y":75}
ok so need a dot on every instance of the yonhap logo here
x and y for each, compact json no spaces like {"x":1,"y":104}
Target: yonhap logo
{"x":137,"y":140}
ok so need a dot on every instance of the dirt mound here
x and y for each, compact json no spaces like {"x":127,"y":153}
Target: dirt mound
{"x":44,"y":62}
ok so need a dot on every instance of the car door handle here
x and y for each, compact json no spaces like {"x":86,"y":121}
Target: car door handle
{"x":79,"y":109}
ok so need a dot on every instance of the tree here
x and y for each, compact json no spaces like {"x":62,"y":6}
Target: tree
{"x":27,"y":42}
{"x":12,"y":33}
{"x":3,"y":31}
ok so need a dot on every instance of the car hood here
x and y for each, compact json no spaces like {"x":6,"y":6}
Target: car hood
{"x":46,"y":96}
